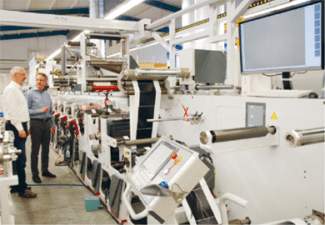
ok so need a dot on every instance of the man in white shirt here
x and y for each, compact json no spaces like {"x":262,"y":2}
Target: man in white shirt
{"x":17,"y":116}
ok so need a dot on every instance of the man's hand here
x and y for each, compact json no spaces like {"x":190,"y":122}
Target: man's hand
{"x":44,"y":109}
{"x":22,"y":134}
{"x":53,"y":130}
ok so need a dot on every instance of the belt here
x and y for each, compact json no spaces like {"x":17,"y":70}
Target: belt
{"x":43,"y":119}
{"x":9,"y":122}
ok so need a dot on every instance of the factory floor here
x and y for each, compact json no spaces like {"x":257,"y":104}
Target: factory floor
{"x":56,"y":201}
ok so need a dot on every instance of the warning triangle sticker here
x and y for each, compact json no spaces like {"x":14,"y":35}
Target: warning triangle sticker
{"x":274,"y":117}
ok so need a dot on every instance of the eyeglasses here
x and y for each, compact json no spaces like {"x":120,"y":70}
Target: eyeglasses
{"x":21,"y":74}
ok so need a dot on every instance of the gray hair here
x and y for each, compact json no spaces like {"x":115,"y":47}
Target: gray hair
{"x":16,"y":69}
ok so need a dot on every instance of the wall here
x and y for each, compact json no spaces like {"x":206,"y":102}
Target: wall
{"x":153,"y":54}
{"x":20,"y":49}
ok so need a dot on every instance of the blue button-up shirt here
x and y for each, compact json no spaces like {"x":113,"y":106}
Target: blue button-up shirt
{"x":36,"y":100}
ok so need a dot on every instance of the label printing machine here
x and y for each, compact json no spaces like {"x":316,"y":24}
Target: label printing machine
{"x":244,"y":159}
{"x":160,"y":151}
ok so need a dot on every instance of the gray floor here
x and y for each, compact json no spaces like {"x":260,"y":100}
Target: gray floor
{"x":56,"y":204}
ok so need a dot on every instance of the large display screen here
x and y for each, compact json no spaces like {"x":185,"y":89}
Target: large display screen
{"x":291,"y":40}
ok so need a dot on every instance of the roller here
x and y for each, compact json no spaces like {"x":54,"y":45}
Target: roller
{"x":304,"y":137}
{"x":235,"y":134}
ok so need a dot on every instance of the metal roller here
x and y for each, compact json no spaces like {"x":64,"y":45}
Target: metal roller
{"x":212,"y":87}
{"x":184,"y":73}
{"x":153,"y":74}
{"x":235,"y":134}
{"x":103,"y":79}
{"x":122,"y":141}
{"x":138,"y":141}
{"x":303,"y":137}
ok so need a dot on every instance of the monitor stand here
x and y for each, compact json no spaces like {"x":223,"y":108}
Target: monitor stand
{"x":286,"y":80}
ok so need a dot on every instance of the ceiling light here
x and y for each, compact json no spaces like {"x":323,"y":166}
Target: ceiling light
{"x":122,"y":8}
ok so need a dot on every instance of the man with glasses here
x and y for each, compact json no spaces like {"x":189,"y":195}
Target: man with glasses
{"x":17,"y":117}
{"x":41,"y":125}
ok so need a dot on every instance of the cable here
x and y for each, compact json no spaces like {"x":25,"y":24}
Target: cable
{"x":179,"y":188}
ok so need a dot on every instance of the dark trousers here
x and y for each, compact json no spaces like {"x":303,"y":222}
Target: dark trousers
{"x":40,"y":132}
{"x":20,"y":164}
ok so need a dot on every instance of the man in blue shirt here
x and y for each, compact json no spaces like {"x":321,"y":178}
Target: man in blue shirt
{"x":41,"y":125}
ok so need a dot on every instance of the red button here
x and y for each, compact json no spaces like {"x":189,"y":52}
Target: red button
{"x":173,"y":155}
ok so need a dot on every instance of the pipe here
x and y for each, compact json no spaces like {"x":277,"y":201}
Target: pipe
{"x":235,"y":134}
{"x":222,"y":205}
{"x":304,"y":137}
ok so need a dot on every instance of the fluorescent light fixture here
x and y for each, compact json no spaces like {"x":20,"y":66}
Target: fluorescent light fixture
{"x":275,"y":8}
{"x":122,"y":8}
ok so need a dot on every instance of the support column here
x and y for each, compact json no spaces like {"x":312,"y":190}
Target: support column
{"x":231,"y":52}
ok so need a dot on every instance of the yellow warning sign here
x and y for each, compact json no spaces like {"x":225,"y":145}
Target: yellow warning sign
{"x":274,"y":117}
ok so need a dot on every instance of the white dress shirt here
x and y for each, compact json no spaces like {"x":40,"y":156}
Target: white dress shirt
{"x":15,"y":105}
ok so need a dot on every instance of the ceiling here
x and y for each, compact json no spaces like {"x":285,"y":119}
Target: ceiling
{"x":151,"y":9}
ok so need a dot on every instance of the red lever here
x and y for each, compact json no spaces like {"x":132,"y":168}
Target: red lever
{"x":105,"y":88}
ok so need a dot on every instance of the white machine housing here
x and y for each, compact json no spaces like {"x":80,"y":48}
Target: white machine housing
{"x":157,"y":166}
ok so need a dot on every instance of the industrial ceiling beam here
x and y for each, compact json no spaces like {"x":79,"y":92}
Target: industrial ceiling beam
{"x":14,"y":32}
{"x":64,"y":22}
{"x":162,"y":5}
{"x":57,"y":12}
{"x":62,"y":11}
{"x":166,"y":20}
{"x":32,"y":35}
{"x":244,"y":5}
